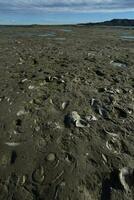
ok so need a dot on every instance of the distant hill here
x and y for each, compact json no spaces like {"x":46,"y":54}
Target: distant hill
{"x":113,"y":22}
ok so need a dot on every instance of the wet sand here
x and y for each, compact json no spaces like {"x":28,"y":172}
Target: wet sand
{"x":67,"y":112}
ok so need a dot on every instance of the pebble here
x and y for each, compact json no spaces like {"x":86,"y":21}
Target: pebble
{"x":51,"y":157}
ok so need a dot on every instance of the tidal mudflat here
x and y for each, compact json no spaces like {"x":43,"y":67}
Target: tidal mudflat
{"x":67,"y":113}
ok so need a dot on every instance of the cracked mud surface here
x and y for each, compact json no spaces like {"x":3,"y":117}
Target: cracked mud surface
{"x":48,"y":151}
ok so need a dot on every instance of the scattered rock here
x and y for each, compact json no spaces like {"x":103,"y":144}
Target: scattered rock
{"x":51,"y":157}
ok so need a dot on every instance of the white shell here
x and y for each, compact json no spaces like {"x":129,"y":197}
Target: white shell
{"x":12,"y":144}
{"x":125,"y":176}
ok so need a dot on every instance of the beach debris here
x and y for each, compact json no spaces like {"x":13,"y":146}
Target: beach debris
{"x":38,"y":175}
{"x":81,"y":123}
{"x":75,"y":116}
{"x":78,"y":121}
{"x":114,"y":135}
{"x":59,"y":79}
{"x":31,"y":87}
{"x":98,"y":108}
{"x":75,"y":119}
{"x":65,"y":104}
{"x":118,"y":64}
{"x":24,"y":80}
{"x":21,"y":112}
{"x":91,"y":54}
{"x":113,"y":145}
{"x":91,"y":118}
{"x":21,"y":180}
{"x":21,"y":61}
{"x":126,"y":177}
{"x":51,"y":157}
{"x":12,"y":144}
{"x":104,"y":158}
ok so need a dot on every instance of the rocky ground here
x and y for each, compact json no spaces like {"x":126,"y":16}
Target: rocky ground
{"x":67,"y":113}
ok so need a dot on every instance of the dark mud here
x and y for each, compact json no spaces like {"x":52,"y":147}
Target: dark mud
{"x":48,"y":151}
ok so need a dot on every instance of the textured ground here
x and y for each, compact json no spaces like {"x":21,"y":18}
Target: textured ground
{"x":44,"y":153}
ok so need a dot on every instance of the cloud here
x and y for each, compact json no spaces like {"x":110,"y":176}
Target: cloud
{"x":66,"y":5}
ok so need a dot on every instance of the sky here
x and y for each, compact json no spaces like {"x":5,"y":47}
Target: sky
{"x":63,"y":11}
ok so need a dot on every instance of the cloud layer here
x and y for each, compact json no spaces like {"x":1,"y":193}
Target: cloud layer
{"x":65,"y":5}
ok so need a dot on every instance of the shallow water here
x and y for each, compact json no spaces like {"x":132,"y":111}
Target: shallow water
{"x":49,"y":34}
{"x":60,"y":39}
{"x":118,"y":64}
{"x":66,"y":30}
{"x":128,"y":37}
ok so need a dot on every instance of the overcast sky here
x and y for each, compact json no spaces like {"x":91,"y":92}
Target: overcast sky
{"x":63,"y":11}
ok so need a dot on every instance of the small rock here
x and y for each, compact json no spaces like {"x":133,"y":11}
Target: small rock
{"x":51,"y":157}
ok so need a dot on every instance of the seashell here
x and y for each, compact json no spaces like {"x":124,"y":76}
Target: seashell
{"x":38,"y":175}
{"x":21,"y":112}
{"x":92,"y":101}
{"x":114,"y":135}
{"x":91,"y":118}
{"x":81,"y":123}
{"x":12,"y":144}
{"x":104,"y":158}
{"x":65,"y":104}
{"x":75,"y":116}
{"x":31,"y":87}
{"x":126,"y":177}
{"x":113,"y":145}
{"x":24,"y":80}
{"x":21,"y":180}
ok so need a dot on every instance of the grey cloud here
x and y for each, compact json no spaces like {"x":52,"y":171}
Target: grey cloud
{"x":65,"y":5}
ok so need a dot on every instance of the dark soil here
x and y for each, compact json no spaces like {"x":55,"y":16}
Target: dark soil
{"x":43,"y":79}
